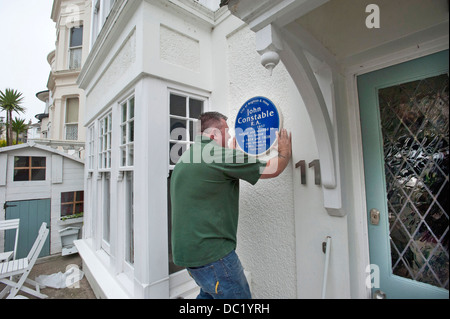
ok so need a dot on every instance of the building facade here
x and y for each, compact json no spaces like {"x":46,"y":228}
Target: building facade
{"x":156,"y":65}
{"x":62,"y":121}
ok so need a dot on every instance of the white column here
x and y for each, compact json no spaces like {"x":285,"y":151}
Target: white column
{"x":151,"y":168}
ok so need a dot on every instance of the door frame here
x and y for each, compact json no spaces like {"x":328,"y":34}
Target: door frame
{"x":359,"y":254}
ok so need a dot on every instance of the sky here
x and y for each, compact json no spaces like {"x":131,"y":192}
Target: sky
{"x":27,"y":36}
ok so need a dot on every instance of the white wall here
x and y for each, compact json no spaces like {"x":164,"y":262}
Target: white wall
{"x":266,"y":235}
{"x":282,"y":222}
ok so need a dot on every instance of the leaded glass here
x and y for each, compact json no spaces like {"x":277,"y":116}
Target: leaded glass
{"x":415,"y":126}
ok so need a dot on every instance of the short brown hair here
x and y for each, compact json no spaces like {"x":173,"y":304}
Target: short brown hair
{"x":211,"y":119}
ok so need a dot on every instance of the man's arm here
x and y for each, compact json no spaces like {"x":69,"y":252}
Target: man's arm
{"x":278,"y":164}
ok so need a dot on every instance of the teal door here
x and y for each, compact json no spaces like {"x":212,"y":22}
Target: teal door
{"x":405,"y":123}
{"x":32,"y":214}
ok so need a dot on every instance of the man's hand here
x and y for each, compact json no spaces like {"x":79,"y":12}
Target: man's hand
{"x":278,"y":164}
{"x":284,"y":144}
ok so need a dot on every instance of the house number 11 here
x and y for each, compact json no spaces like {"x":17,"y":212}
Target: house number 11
{"x":302,"y":166}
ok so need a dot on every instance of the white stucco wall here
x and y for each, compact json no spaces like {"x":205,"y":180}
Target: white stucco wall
{"x":282,"y":222}
{"x":266,"y":236}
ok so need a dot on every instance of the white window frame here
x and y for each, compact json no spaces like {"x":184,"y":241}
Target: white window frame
{"x":105,"y":142}
{"x":126,"y":171}
{"x":105,"y":133}
{"x":91,"y":148}
{"x":129,"y":229}
{"x":126,"y":125}
{"x":71,"y":124}
{"x":105,"y":178}
{"x":189,"y":140}
{"x":75,"y":48}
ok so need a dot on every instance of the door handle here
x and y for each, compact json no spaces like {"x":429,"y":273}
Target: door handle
{"x":374,"y":216}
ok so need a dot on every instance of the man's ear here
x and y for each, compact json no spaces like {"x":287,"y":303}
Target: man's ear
{"x":215,"y":132}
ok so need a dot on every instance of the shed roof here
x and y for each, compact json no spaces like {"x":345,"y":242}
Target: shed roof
{"x":40,"y":147}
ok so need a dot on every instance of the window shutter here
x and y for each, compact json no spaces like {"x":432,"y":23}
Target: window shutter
{"x":57,"y":169}
{"x":3,"y":168}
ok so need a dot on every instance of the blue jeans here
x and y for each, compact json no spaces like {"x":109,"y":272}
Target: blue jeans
{"x":222,"y":279}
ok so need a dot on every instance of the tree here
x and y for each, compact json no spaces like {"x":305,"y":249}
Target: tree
{"x":10,"y":101}
{"x":19,"y":126}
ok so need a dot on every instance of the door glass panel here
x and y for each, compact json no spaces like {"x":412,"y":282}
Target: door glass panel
{"x":415,"y":125}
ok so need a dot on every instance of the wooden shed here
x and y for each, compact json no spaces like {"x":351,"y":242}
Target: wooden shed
{"x":39,"y":184}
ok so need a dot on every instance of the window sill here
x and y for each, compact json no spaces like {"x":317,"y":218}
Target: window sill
{"x":70,"y":221}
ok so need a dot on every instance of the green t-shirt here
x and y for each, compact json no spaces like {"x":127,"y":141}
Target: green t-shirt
{"x":205,"y":201}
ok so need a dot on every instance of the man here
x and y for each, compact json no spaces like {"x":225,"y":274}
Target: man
{"x":205,"y":206}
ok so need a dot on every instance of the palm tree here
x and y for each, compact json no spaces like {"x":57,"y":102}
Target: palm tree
{"x":19,"y":126}
{"x":10,"y":101}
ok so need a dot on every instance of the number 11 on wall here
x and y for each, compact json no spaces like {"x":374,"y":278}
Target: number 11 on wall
{"x":302,"y":165}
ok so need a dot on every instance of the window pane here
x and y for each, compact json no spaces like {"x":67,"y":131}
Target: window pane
{"x":72,"y":107}
{"x":131,"y":129}
{"x":131,"y":115}
{"x":124,"y":157}
{"x":80,"y":196}
{"x":177,"y":105}
{"x":71,"y":132}
{"x":414,"y":123}
{"x":108,"y":141}
{"x":21,"y":175}
{"x":193,"y":130}
{"x":130,"y":155}
{"x":38,"y":174}
{"x":76,"y":37}
{"x":124,"y":134}
{"x":176,"y":151}
{"x":66,"y":210}
{"x":106,"y":207}
{"x":75,"y":59}
{"x":79,"y":208}
{"x":38,"y":161}
{"x":195,"y":108}
{"x":21,"y":161}
{"x":124,"y":112}
{"x":67,"y":197}
{"x":178,"y":130}
{"x":129,"y":257}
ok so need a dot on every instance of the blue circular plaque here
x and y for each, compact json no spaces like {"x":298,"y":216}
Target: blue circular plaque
{"x":257,"y":122}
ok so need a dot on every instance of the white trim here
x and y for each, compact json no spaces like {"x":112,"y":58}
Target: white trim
{"x":415,"y":51}
{"x":188,"y":93}
{"x":103,"y":283}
